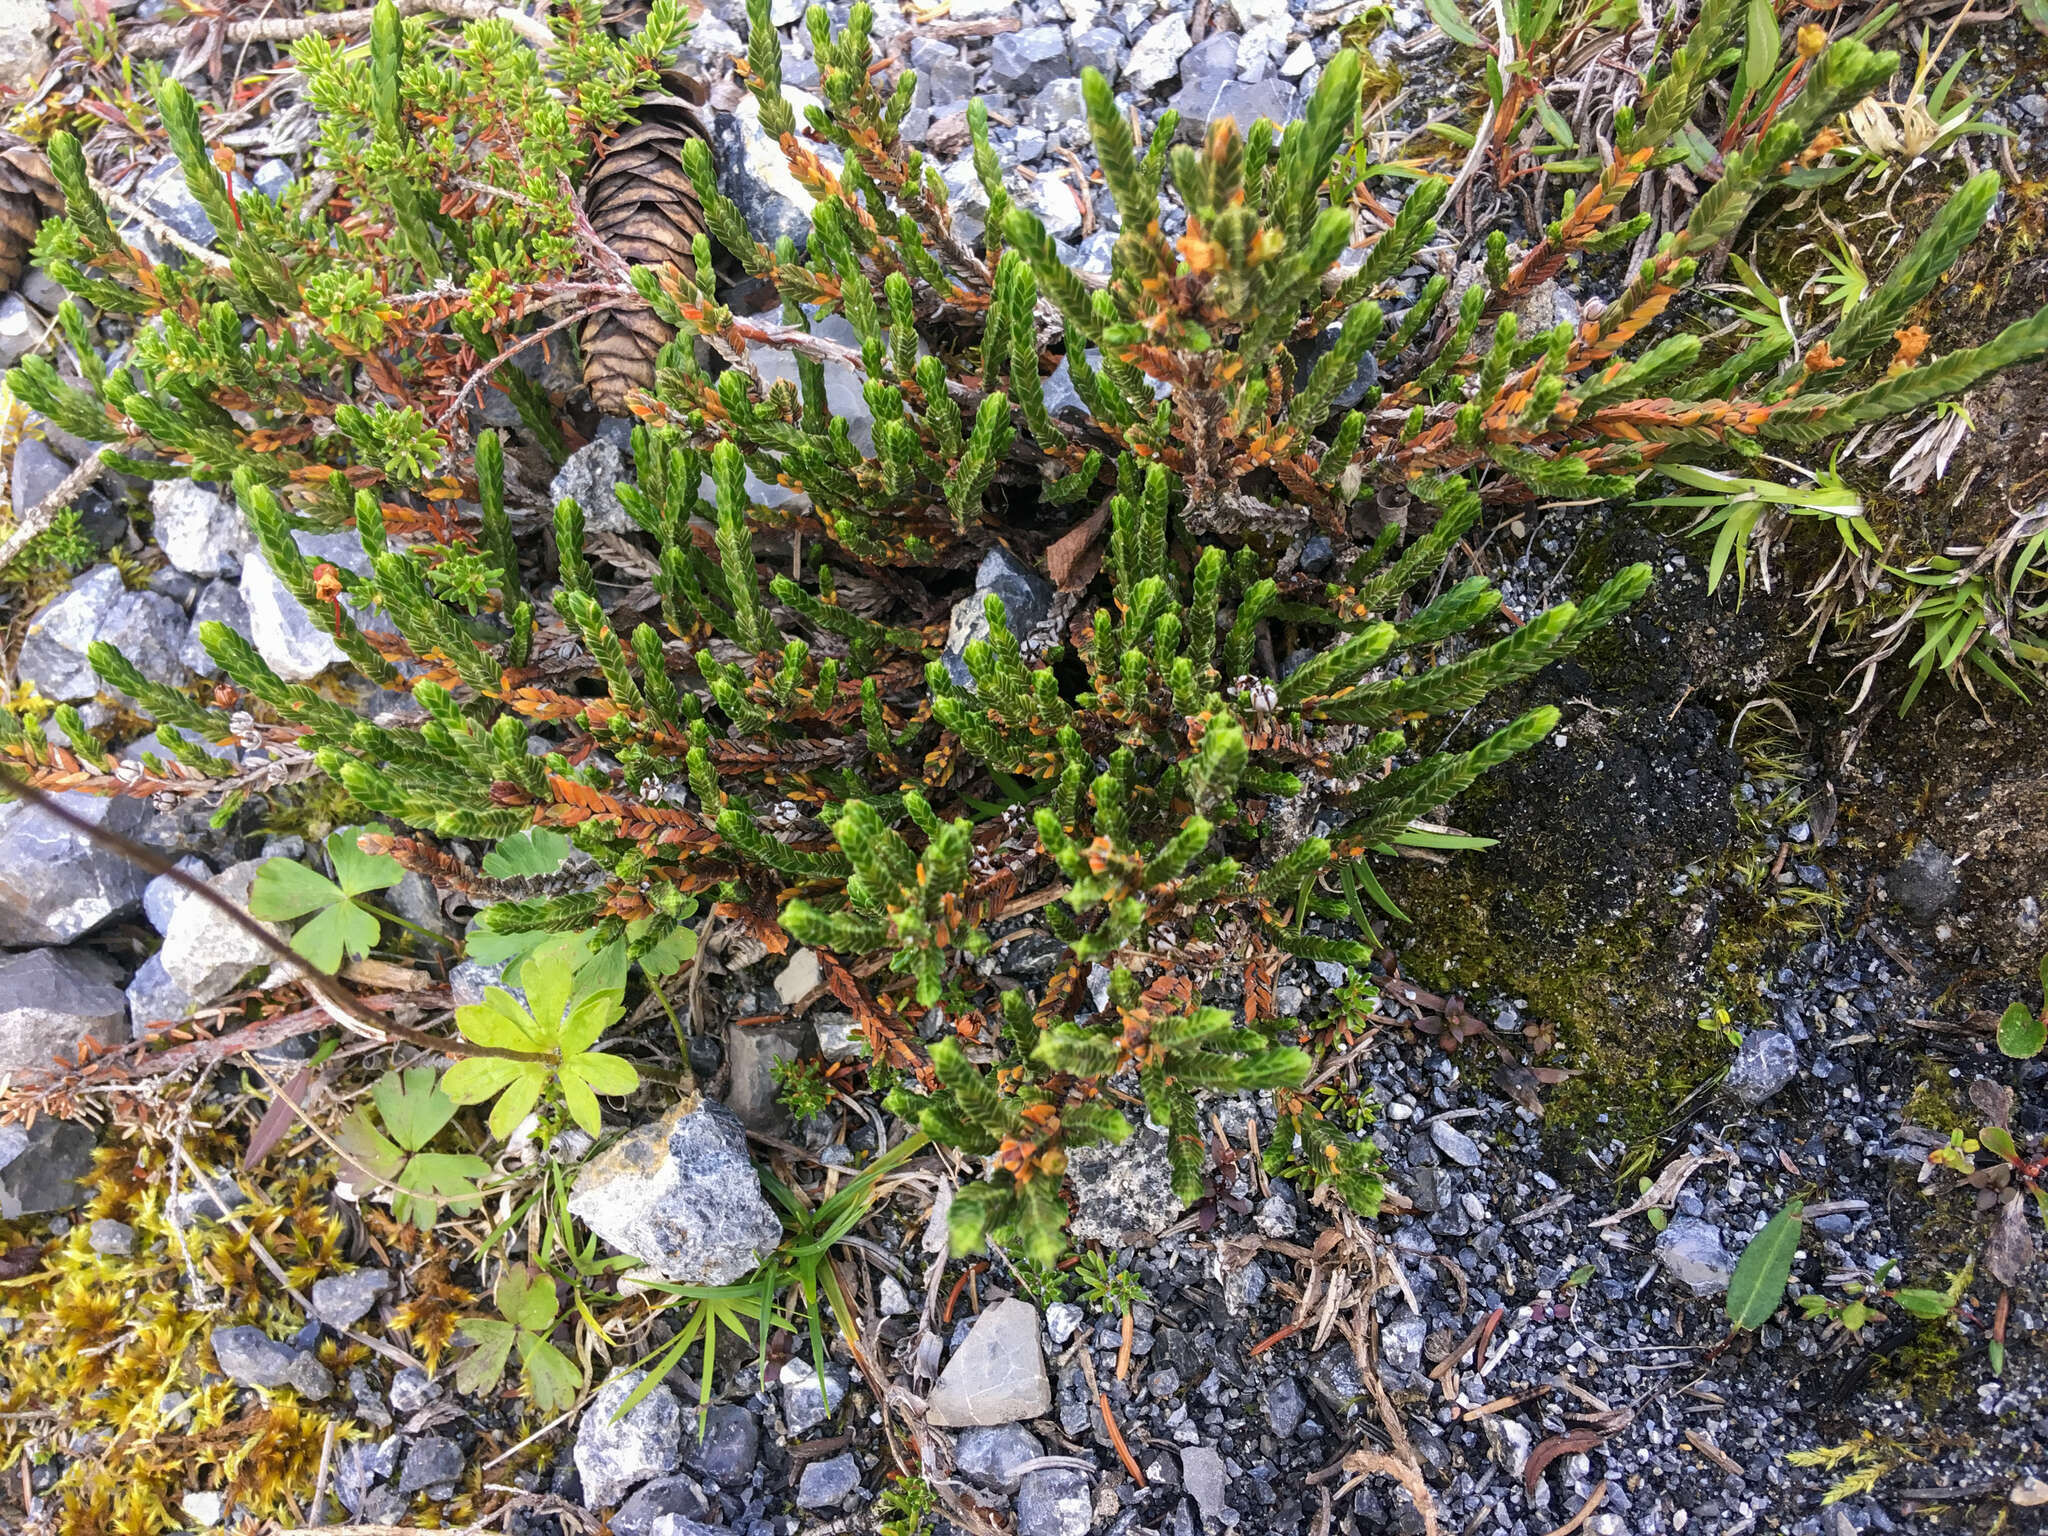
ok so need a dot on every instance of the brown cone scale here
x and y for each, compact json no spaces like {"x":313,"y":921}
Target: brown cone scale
{"x":641,"y":204}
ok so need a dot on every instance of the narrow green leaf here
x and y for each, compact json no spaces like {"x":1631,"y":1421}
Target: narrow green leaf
{"x":1760,"y":1275}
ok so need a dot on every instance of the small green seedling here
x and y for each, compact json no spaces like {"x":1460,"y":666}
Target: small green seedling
{"x":2023,"y":1031}
{"x":414,"y":1111}
{"x":554,"y":1030}
{"x":526,"y":1301}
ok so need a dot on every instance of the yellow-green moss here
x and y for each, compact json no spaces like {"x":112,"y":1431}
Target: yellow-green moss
{"x":1634,"y":1052}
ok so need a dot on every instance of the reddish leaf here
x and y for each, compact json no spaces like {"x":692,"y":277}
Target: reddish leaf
{"x":1549,"y":1450}
{"x":277,"y":1119}
{"x":1075,"y":557}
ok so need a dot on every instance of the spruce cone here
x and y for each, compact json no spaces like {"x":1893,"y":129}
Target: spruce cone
{"x":642,"y":205}
{"x":27,"y":192}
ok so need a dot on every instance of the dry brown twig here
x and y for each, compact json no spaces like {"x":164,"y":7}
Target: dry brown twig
{"x":39,"y":517}
{"x":162,"y":41}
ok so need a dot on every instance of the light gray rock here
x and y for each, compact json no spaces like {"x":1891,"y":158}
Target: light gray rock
{"x":804,"y":1405}
{"x":1243,"y":101}
{"x":681,"y":1195}
{"x":1024,"y":62}
{"x":248,"y":1355}
{"x":839,"y":1036}
{"x":1401,"y":1344}
{"x":754,"y":173}
{"x":1054,"y":1501}
{"x":1122,"y":1190}
{"x":24,"y":55}
{"x":153,"y":998}
{"x":219,"y":602}
{"x":1026,"y":598}
{"x":1155,"y":57}
{"x":1062,"y":1318}
{"x":430,"y":1461}
{"x":43,"y":1167}
{"x":205,"y":952}
{"x":53,"y":652}
{"x":615,"y":1457}
{"x":1765,"y":1063}
{"x":53,"y":1000}
{"x":1098,"y":48}
{"x":1510,"y":1441}
{"x":161,"y":897}
{"x":798,"y":979}
{"x":997,"y":1375}
{"x":200,"y":531}
{"x":148,"y":629}
{"x":342,"y":1301}
{"x":590,"y":477}
{"x":110,"y":1238}
{"x":56,"y":884}
{"x":412,"y":1389}
{"x":20,"y":326}
{"x":989,"y":1456}
{"x":664,"y":1500}
{"x":1695,"y":1254}
{"x":825,"y":1483}
{"x":296,"y":645}
{"x":1455,"y":1144}
{"x":1286,"y":1406}
{"x":1057,"y":204}
{"x":969,"y":199}
{"x":1202,"y":1474}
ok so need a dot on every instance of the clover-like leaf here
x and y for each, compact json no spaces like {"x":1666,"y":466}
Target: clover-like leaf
{"x":525,"y":1298}
{"x":420,"y":1182}
{"x":527,"y":854}
{"x":284,"y":889}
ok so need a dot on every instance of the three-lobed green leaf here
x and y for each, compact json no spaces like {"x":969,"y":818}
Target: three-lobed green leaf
{"x":526,"y":1302}
{"x":414,"y":1110}
{"x":285,"y":889}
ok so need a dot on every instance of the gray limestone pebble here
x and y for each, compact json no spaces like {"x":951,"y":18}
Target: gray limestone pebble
{"x":1696,"y":1255}
{"x":989,"y":1455}
{"x":616,"y":1453}
{"x":997,"y":1375}
{"x":825,"y":1483}
{"x":51,"y":1002}
{"x":1054,"y":1501}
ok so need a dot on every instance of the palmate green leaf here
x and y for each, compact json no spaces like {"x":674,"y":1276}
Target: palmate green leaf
{"x":2022,"y":1033}
{"x":1758,"y":1284}
{"x":501,"y":1024}
{"x":284,"y":889}
{"x":361,"y":872}
{"x":343,"y":928}
{"x":434,"y":1179}
{"x":523,"y":855}
{"x":368,"y":1147}
{"x":483,"y":1367}
{"x":525,"y":1296}
{"x":412,"y":1105}
{"x":589,"y":1074}
{"x":517,"y":1086}
{"x":552,"y":1379}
